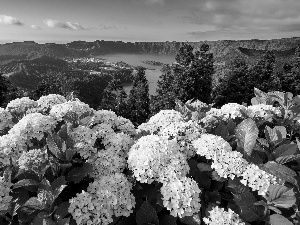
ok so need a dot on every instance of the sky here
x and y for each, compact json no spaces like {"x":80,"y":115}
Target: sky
{"x":63,"y":21}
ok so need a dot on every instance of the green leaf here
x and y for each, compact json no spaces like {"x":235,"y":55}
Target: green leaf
{"x":22,"y":174}
{"x":63,"y":132}
{"x":277,"y":219}
{"x":231,"y":127}
{"x":167,"y":220}
{"x":213,"y":197}
{"x":280,"y":196}
{"x":248,"y":211}
{"x":236,"y":187}
{"x":58,"y":186}
{"x":191,"y":220}
{"x":78,"y":173}
{"x":62,"y":210}
{"x":222,"y":131}
{"x":285,"y":150}
{"x":34,"y":203}
{"x":288,"y":158}
{"x":25,"y":182}
{"x":54,"y":148}
{"x":65,"y":221}
{"x":280,"y":171}
{"x":43,"y":221}
{"x":146,"y":215}
{"x":204,"y":167}
{"x":247,"y":133}
{"x":22,"y":198}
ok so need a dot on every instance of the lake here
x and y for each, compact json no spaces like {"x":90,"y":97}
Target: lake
{"x":152,"y":72}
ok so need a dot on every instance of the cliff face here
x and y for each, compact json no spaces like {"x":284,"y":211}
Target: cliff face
{"x":220,"y":49}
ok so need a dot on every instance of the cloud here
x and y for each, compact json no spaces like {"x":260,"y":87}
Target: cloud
{"x":106,"y":27}
{"x":9,"y":20}
{"x":243,"y":16}
{"x":36,"y":27}
{"x":154,"y":2}
{"x":65,"y":25}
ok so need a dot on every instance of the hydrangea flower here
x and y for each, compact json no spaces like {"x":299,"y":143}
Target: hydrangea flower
{"x":19,"y":106}
{"x":46,"y":102}
{"x":208,"y":145}
{"x":151,"y":157}
{"x":11,"y":146}
{"x":5,"y":119}
{"x":218,"y":216}
{"x":229,"y":164}
{"x":106,"y":197}
{"x":105,"y":116}
{"x":261,"y":110}
{"x":181,"y":197}
{"x":71,"y":110}
{"x":33,"y":126}
{"x":106,"y":162}
{"x":84,"y":139}
{"x":125,"y":125}
{"x":232,"y":110}
{"x":120,"y":143}
{"x":5,"y":198}
{"x":161,"y":120}
{"x":35,"y":160}
{"x":258,"y":179}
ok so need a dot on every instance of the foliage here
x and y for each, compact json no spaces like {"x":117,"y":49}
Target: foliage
{"x":238,"y":85}
{"x":115,"y":98}
{"x":138,"y":99}
{"x":7,"y":91}
{"x":71,"y":164}
{"x":190,"y":77}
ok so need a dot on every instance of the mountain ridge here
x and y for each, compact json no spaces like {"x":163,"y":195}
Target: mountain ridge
{"x":219,"y":48}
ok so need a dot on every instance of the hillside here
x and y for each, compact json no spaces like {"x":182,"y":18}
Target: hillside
{"x":221,"y":49}
{"x":26,"y":73}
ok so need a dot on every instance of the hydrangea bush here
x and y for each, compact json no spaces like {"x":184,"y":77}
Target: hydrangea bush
{"x":63,"y":163}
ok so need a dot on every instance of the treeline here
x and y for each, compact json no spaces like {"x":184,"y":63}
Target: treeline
{"x":190,"y":77}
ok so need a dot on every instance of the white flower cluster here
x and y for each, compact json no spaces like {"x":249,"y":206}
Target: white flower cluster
{"x":230,"y":110}
{"x":181,"y":197}
{"x":73,"y":110}
{"x":20,"y":106}
{"x":5,"y":119}
{"x":161,"y":120}
{"x":84,"y":139}
{"x":228,"y":163}
{"x":151,"y":157}
{"x":35,"y":160}
{"x":261,"y":111}
{"x":258,"y":179}
{"x":5,"y":198}
{"x":105,"y":116}
{"x":218,"y":216}
{"x":33,"y":126}
{"x":117,"y":123}
{"x":106,"y":197}
{"x":46,"y":102}
{"x":11,"y":146}
{"x":107,"y":162}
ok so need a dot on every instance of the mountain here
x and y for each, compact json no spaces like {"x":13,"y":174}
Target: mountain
{"x":27,"y":73}
{"x":221,"y":49}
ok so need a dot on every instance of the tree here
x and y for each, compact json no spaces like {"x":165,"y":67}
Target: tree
{"x":239,"y":84}
{"x":190,"y":77}
{"x":114,"y":98}
{"x":231,"y":88}
{"x":138,"y":100}
{"x":289,"y":77}
{"x":7,"y":91}
{"x":54,"y":83}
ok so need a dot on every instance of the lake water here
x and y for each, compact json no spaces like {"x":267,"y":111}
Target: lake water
{"x":152,"y":72}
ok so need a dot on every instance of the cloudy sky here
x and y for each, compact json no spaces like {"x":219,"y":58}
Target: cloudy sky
{"x":63,"y":21}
